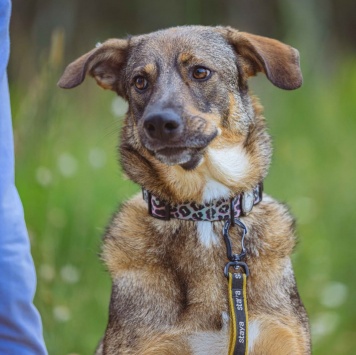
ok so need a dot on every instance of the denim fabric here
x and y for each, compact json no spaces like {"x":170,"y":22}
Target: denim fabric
{"x":20,"y":323}
{"x":5,"y":10}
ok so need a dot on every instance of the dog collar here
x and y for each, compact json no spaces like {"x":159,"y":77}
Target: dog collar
{"x":216,"y":210}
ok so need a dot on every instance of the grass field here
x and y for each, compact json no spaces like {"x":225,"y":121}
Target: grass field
{"x":70,"y":184}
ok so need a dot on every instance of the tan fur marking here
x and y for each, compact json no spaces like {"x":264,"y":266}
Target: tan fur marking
{"x":167,"y":344}
{"x":185,"y":57}
{"x":185,"y":184}
{"x":234,"y":113}
{"x":150,"y":69}
{"x":279,"y":339}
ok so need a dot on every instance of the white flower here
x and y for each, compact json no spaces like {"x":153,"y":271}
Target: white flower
{"x":119,"y":106}
{"x":67,"y":164}
{"x":97,"y":158}
{"x":43,"y":176}
{"x":46,"y":272}
{"x":70,"y":274}
{"x":334,"y":294}
{"x":61,"y":313}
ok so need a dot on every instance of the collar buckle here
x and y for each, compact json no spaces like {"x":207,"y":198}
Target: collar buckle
{"x":163,"y":212}
{"x":247,"y":202}
{"x":251,"y":198}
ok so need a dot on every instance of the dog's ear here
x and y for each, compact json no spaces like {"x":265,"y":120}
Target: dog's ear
{"x":277,"y":60}
{"x":104,"y":63}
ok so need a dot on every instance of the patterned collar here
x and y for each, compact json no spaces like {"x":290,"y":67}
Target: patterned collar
{"x":216,"y":210}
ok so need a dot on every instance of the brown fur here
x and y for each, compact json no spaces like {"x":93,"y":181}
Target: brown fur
{"x":169,"y":290}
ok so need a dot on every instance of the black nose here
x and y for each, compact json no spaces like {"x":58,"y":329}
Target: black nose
{"x":163,"y":125}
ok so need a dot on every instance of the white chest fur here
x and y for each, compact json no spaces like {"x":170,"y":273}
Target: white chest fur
{"x":216,"y":343}
{"x":206,"y":234}
{"x":228,"y":165}
{"x":213,"y":190}
{"x":253,"y":332}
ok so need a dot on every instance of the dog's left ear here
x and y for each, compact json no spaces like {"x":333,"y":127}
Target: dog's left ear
{"x":277,"y":60}
{"x":104,"y":63}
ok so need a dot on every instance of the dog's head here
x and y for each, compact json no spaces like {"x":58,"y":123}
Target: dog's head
{"x":190,"y":114}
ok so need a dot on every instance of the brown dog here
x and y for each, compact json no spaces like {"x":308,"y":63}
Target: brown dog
{"x":195,"y":139}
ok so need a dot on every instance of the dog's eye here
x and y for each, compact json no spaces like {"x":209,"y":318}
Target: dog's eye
{"x":201,"y":73}
{"x":141,"y":83}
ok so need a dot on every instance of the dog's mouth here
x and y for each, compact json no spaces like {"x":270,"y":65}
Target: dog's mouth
{"x":187,"y":158}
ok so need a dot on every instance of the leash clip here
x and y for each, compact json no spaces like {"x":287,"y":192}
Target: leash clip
{"x":229,"y":253}
{"x":235,"y":259}
{"x":236,"y":265}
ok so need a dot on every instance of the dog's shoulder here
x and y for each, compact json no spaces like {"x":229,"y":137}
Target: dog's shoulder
{"x":271,"y":228}
{"x":274,"y":214}
{"x":133,"y":237}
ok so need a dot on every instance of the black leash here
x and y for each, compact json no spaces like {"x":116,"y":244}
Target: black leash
{"x":238,"y":344}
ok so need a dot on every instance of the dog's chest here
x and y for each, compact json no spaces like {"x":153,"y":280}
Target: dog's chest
{"x":185,"y":260}
{"x":197,"y":259}
{"x":206,"y":235}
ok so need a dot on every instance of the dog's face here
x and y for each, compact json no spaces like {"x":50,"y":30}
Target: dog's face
{"x":179,"y":92}
{"x":188,"y":98}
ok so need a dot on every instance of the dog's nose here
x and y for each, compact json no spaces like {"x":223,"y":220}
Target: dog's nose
{"x":163,"y":125}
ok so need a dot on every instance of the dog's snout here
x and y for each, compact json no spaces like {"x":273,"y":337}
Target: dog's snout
{"x":163,"y":125}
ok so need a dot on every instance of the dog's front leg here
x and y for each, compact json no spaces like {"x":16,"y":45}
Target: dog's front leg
{"x":278,"y":336}
{"x":144,"y":309}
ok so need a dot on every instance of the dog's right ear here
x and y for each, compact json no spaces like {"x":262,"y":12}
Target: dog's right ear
{"x":104,"y":63}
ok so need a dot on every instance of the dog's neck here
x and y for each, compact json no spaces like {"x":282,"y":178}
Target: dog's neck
{"x":215,"y":210}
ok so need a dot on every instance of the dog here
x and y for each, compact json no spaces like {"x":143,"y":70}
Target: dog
{"x":195,"y":139}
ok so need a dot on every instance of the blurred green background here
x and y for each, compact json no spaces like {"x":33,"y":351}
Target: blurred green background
{"x":70,"y":182}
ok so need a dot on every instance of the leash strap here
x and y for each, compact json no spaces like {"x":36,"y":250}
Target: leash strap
{"x":238,"y":314}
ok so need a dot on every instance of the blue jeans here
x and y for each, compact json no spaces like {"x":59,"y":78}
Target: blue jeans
{"x":20,"y":323}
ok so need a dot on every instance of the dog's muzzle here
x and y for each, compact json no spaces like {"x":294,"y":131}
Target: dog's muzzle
{"x":165,"y":133}
{"x":163,"y":126}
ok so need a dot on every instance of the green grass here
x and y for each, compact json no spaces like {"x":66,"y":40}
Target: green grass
{"x":70,"y":184}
